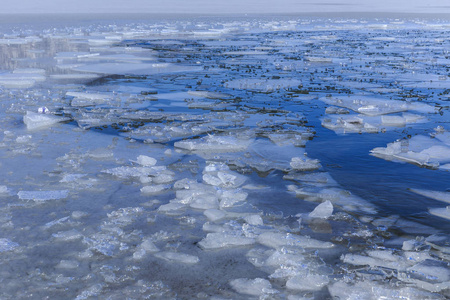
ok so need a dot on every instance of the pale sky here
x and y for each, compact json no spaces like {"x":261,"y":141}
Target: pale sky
{"x":222,"y":6}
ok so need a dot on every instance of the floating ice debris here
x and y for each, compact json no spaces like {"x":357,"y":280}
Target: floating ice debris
{"x":70,"y":235}
{"x":443,"y":212}
{"x":316,"y":59}
{"x":3,"y":190}
{"x":219,"y":240}
{"x":369,"y":124}
{"x":147,"y":246}
{"x":154,"y":189}
{"x":436,"y":195}
{"x":252,"y":287}
{"x":419,"y":150}
{"x":68,"y":264}
{"x":88,"y":99}
{"x":283,"y":139}
{"x":123,"y":216}
{"x":227,"y":179}
{"x":386,"y":261}
{"x":307,"y":283}
{"x":42,"y":196}
{"x":323,"y":210}
{"x":146,"y":161}
{"x":214,"y":214}
{"x":215,"y":143}
{"x":305,"y":164}
{"x":373,"y":290}
{"x":22,"y":78}
{"x":228,"y":198}
{"x":7,"y":245}
{"x":278,"y":239}
{"x":376,"y":106}
{"x":254,"y":220}
{"x":130,"y":172}
{"x":210,"y":95}
{"x":39,"y":120}
{"x":177,"y":257}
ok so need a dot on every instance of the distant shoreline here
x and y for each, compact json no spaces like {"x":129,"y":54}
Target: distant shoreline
{"x":14,"y":18}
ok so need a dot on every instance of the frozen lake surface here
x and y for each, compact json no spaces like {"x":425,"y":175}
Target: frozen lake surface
{"x":225,"y":158}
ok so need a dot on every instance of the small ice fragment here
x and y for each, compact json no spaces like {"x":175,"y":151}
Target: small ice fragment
{"x":177,"y":257}
{"x":323,"y":210}
{"x":68,"y":264}
{"x":254,"y":220}
{"x":72,"y":177}
{"x":146,"y":161}
{"x":41,"y":196}
{"x":7,"y":245}
{"x":307,"y":283}
{"x":37,"y":121}
{"x":3,"y":189}
{"x":147,"y":246}
{"x":253,"y":287}
{"x":214,"y":214}
{"x":79,"y":214}
{"x":65,"y":236}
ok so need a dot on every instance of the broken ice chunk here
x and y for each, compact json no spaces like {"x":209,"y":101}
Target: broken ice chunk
{"x":443,"y":212}
{"x":254,"y":220}
{"x":252,"y":287}
{"x":154,"y":189}
{"x":38,"y":121}
{"x":304,"y":164}
{"x":229,"y":198}
{"x":431,"y":270}
{"x":227,"y":179}
{"x":3,"y":190}
{"x":307,"y":283}
{"x":215,"y":143}
{"x":147,"y":246}
{"x":436,"y":195}
{"x":214,"y":214}
{"x":70,"y":235}
{"x":41,"y":196}
{"x":177,"y":257}
{"x":323,"y":210}
{"x":87,"y":99}
{"x":146,"y":161}
{"x":7,"y":245}
{"x":419,"y":150}
{"x":68,"y":264}
{"x":279,"y":239}
{"x":220,"y":240}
